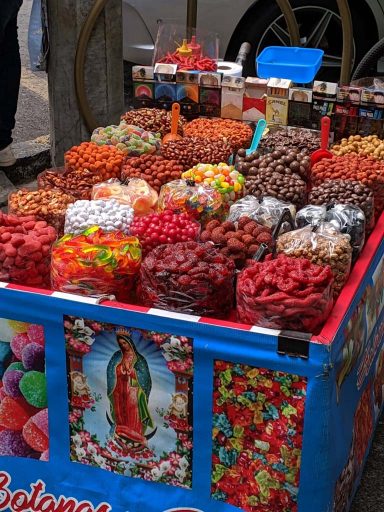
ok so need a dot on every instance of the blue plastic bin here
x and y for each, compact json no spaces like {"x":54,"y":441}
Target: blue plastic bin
{"x":297,"y":64}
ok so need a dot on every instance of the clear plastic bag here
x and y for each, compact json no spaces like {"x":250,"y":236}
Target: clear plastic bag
{"x":349,"y":220}
{"x":323,"y":245}
{"x":201,"y":202}
{"x":25,"y":250}
{"x":266,"y":212}
{"x":346,"y":218}
{"x":188,"y":277}
{"x":131,"y":140}
{"x":95,"y":263}
{"x":137,"y":193}
{"x":285,"y":293}
{"x":47,"y":205}
{"x":310,"y":215}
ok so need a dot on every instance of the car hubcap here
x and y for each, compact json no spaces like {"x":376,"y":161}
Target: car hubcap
{"x":321,"y":28}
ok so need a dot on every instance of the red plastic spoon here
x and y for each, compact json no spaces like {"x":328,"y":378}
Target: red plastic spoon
{"x":323,"y":152}
{"x":174,"y":125}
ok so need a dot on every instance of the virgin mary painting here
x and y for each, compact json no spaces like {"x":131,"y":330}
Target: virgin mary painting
{"x":129,"y":386}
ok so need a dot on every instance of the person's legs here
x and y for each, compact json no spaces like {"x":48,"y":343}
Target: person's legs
{"x":10,"y":69}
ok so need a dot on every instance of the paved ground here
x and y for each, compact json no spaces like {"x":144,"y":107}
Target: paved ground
{"x":33,"y":121}
{"x":33,"y":115}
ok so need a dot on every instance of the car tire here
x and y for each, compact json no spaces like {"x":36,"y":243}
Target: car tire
{"x":265,"y":18}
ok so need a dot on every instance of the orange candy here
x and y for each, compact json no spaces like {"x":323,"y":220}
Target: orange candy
{"x":105,"y":161}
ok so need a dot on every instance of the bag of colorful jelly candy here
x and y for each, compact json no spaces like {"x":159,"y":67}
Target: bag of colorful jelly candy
{"x":96,"y":263}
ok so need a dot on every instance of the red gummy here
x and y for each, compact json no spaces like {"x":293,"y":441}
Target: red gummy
{"x":18,"y":343}
{"x":36,"y":334}
{"x":34,"y":436}
{"x":14,"y":413}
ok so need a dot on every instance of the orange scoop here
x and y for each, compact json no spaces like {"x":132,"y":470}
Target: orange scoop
{"x":174,"y":125}
{"x":323,"y":152}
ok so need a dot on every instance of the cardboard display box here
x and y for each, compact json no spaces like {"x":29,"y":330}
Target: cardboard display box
{"x":232,"y":93}
{"x":255,"y":99}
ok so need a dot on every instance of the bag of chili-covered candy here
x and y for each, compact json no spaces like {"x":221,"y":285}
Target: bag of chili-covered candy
{"x":323,"y":245}
{"x":285,"y":293}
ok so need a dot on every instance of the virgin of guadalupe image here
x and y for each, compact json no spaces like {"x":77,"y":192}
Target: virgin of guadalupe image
{"x":129,"y":385}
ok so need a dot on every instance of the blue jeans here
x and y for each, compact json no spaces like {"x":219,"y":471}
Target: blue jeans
{"x":10,"y":68}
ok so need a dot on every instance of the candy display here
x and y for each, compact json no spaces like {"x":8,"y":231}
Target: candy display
{"x":191,"y":151}
{"x":188,"y":61}
{"x":95,"y":263}
{"x":266,"y":212}
{"x":345,"y":192}
{"x":290,"y":138}
{"x":222,"y":177}
{"x":103,"y":161}
{"x":188,"y":277}
{"x":109,"y":215}
{"x":290,"y":188}
{"x":152,"y":119}
{"x":129,"y":139}
{"x":237,"y":133}
{"x":238,"y":242}
{"x":25,"y":245}
{"x":371,"y":145}
{"x":323,"y":246}
{"x":154,"y":169}
{"x":346,"y":218}
{"x":201,"y":202}
{"x":366,"y":169}
{"x":23,"y":402}
{"x":47,"y":205}
{"x":285,"y":293}
{"x":283,"y":160}
{"x":164,"y":228}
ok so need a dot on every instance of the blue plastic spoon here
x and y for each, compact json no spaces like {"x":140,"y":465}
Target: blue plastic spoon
{"x":261,"y":125}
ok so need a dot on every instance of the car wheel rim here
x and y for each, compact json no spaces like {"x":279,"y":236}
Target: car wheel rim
{"x":321,"y":28}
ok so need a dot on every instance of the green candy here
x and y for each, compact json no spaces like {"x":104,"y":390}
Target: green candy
{"x":16,"y":366}
{"x":34,"y":389}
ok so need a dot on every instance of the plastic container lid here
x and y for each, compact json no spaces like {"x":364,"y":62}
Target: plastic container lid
{"x":297,"y":64}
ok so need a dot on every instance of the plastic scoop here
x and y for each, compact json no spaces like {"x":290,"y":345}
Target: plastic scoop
{"x":174,"y":125}
{"x":261,"y":125}
{"x":323,"y":152}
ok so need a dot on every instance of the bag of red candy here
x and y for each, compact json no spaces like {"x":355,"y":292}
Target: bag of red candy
{"x":285,"y":293}
{"x":188,"y":277}
{"x":25,"y":248}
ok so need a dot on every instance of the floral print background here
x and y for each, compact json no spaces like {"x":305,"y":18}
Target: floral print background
{"x":167,"y":456}
{"x":257,"y":437}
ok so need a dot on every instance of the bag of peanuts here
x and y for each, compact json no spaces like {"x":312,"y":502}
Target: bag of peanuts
{"x":322,"y":245}
{"x":68,"y":181}
{"x":47,"y":205}
{"x":285,"y":293}
{"x":346,"y":218}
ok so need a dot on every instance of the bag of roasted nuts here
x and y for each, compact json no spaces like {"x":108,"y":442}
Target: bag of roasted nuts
{"x":323,"y":245}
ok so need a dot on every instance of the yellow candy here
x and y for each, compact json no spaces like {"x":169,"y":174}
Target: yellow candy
{"x":221,"y":178}
{"x":236,"y":187}
{"x":198,"y":178}
{"x":225,"y":184}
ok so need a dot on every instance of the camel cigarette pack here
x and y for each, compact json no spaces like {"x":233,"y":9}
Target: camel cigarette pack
{"x":277,"y":111}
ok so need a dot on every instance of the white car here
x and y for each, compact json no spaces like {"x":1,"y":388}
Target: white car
{"x":259,"y":22}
